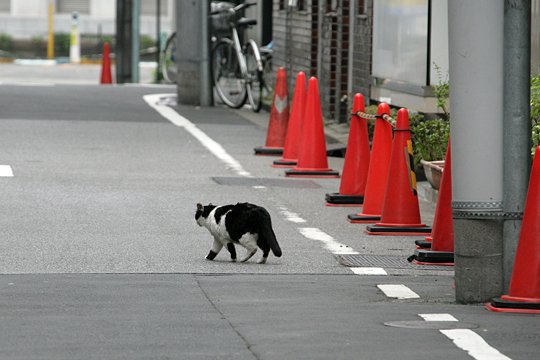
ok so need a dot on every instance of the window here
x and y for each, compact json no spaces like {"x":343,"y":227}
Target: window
{"x":69,"y":6}
{"x":362,"y":7}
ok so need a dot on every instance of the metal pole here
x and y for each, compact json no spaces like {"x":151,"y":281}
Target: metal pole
{"x":135,"y":20}
{"x":517,"y":123}
{"x":206,"y":96}
{"x":475,"y":33}
{"x":158,"y":41}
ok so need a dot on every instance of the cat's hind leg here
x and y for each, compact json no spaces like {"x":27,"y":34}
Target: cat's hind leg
{"x":264,"y":257}
{"x":216,"y":248}
{"x":232,"y":250}
{"x":249,"y":241}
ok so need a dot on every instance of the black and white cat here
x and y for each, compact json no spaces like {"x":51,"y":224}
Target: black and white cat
{"x":244,"y":223}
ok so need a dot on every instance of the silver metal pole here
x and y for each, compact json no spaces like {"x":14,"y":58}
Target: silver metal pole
{"x":475,"y":33}
{"x":517,"y":123}
{"x":206,"y":98}
{"x":135,"y":48}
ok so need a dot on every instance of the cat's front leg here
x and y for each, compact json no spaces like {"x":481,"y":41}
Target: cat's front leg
{"x":216,"y":248}
{"x":232,"y":250}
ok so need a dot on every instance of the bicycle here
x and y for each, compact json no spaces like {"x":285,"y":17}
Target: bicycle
{"x":237,"y":70}
{"x":168,"y":60}
{"x":268,"y":71}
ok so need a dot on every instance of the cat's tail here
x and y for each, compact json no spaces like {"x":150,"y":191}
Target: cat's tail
{"x":270,"y":237}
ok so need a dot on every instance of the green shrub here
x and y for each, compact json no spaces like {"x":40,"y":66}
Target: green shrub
{"x":535,"y":112}
{"x":61,"y":44}
{"x":6,"y":42}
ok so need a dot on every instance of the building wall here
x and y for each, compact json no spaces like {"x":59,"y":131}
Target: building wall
{"x":361,"y":60}
{"x":29,"y":18}
{"x":316,"y":38}
{"x":294,"y":39}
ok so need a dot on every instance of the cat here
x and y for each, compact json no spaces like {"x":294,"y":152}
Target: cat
{"x":245,"y":224}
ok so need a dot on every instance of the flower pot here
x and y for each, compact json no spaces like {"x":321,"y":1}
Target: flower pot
{"x":433,"y":171}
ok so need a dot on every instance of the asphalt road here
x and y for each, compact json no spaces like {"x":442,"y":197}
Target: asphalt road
{"x":101,"y":258}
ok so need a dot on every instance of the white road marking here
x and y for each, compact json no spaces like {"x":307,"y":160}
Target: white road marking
{"x":398,"y":291}
{"x":329,"y":242}
{"x":291,"y":216}
{"x":473,"y":344}
{"x":180,"y":121}
{"x":5,"y":171}
{"x":437,"y":317}
{"x":368,"y":271}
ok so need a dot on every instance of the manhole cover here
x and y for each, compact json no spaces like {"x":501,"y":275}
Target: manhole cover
{"x":385,"y":261}
{"x":435,"y":325}
{"x":270,"y":182}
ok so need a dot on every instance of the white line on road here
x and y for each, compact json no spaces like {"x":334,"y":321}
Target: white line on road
{"x":180,"y":121}
{"x":473,"y":344}
{"x":5,"y":171}
{"x":291,"y":216}
{"x":368,"y":271}
{"x":329,"y":242}
{"x":398,"y":291}
{"x":437,"y":317}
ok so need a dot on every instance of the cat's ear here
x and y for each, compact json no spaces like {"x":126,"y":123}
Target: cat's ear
{"x":200,"y":207}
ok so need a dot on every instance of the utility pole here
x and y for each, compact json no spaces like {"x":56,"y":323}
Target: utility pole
{"x":123,"y":41}
{"x":192,"y":53}
{"x":517,"y":123}
{"x":475,"y":37}
{"x":135,"y":38}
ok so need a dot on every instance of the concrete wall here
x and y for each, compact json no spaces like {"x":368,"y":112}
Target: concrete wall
{"x":28,"y":18}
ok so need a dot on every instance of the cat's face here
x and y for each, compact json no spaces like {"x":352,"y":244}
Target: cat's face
{"x":202,"y":213}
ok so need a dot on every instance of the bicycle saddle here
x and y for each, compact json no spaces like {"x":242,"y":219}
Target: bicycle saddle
{"x":244,"y":22}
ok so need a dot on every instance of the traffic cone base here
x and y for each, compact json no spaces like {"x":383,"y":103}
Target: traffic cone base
{"x":503,"y":304}
{"x":363,"y":218}
{"x":424,"y":244}
{"x":337,"y":199}
{"x":268,"y":151}
{"x":397,"y":229}
{"x":314,"y":173}
{"x":428,"y":257}
{"x":283,"y":163}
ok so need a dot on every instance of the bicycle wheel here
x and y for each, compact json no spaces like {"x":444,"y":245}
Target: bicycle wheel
{"x":254,"y":82}
{"x":227,"y":75}
{"x":268,"y":75}
{"x":168,"y":60}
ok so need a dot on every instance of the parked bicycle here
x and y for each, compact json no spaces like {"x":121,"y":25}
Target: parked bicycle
{"x":237,"y":69}
{"x":168,"y":60}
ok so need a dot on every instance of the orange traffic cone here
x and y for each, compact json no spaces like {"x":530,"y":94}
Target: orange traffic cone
{"x":442,"y":237}
{"x":381,"y":147}
{"x":356,"y":165}
{"x":524,"y":292}
{"x":401,"y":212}
{"x":279,"y":118}
{"x":312,"y":158}
{"x":292,"y":140}
{"x":106,"y":77}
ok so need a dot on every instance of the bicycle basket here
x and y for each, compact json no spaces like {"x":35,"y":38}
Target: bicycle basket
{"x":220,"y":22}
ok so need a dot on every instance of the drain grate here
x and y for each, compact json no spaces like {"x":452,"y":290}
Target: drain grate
{"x":270,"y":182}
{"x":385,"y":261}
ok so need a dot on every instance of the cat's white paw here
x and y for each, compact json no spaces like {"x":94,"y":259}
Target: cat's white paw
{"x":262,"y":261}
